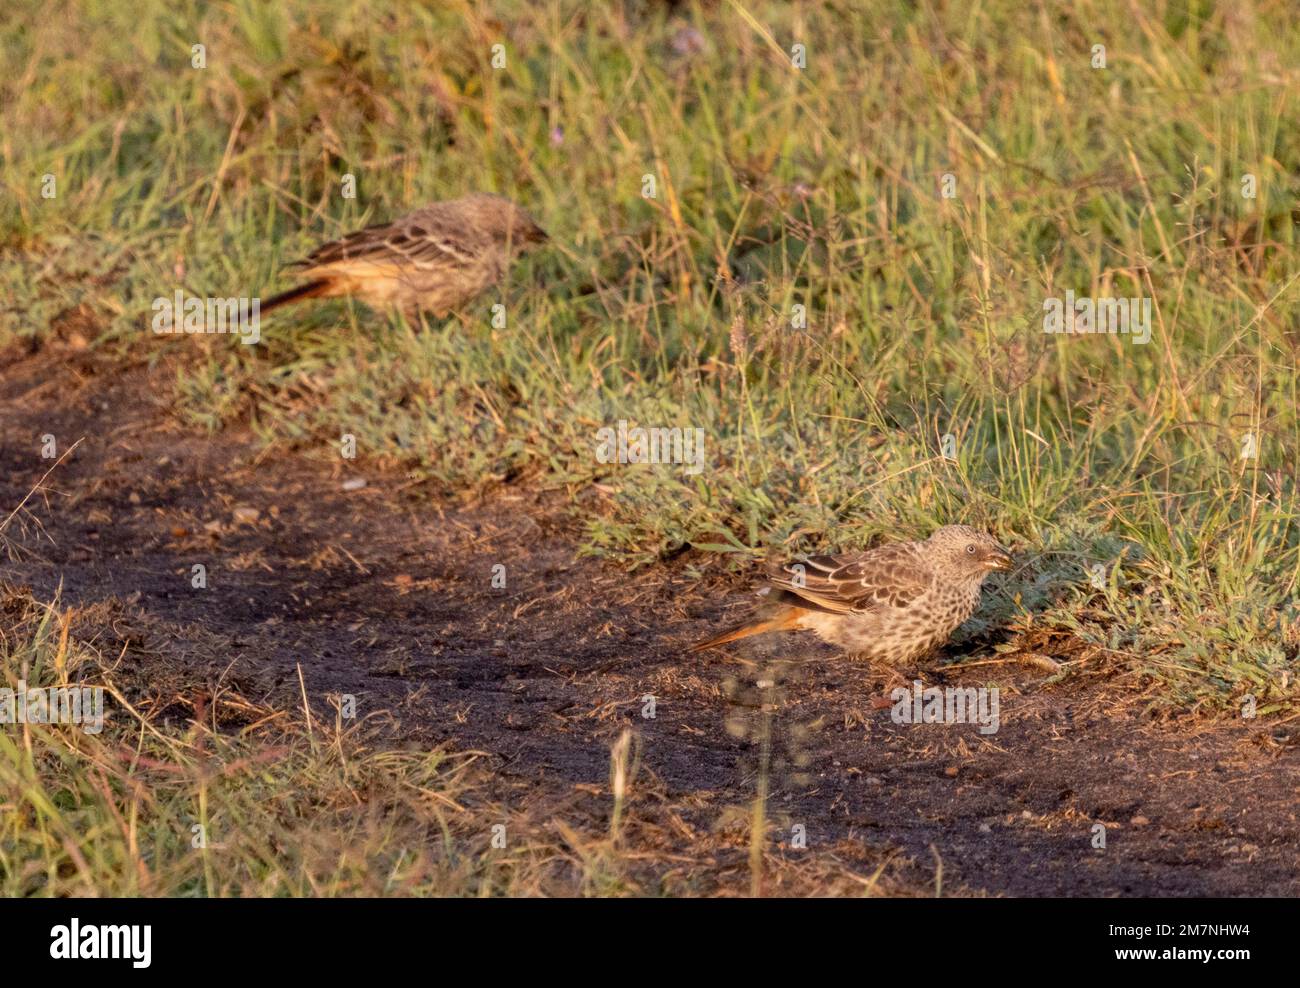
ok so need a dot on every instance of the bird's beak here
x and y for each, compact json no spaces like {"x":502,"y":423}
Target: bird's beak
{"x":999,"y":560}
{"x":538,"y":235}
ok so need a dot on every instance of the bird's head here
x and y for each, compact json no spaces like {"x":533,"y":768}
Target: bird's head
{"x":968,"y":552}
{"x":505,"y":222}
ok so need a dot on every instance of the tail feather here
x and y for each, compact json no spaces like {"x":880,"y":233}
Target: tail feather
{"x":310,"y":289}
{"x":786,"y":619}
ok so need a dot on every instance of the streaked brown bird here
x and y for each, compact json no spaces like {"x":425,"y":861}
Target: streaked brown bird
{"x":891,"y":604}
{"x":434,"y":259}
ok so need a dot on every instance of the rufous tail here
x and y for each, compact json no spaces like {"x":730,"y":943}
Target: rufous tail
{"x":786,"y":620}
{"x":311,"y":289}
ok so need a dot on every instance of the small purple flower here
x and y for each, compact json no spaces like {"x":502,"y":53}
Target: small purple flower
{"x":557,"y":136}
{"x":688,"y":41}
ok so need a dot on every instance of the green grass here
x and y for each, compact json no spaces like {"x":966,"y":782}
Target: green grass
{"x":235,"y":801}
{"x":775,"y":187}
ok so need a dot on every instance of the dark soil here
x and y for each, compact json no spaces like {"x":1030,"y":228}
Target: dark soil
{"x":386,"y":593}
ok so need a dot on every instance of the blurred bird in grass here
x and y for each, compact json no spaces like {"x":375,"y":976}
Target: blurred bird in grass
{"x":434,"y":259}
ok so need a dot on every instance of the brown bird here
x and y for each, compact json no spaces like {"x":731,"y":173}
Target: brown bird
{"x":434,"y":259}
{"x":891,"y":604}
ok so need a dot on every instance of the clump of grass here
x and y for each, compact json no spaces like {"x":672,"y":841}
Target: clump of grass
{"x":238,"y":799}
{"x":819,"y":187}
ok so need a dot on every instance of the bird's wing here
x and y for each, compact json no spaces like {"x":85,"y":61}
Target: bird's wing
{"x":891,"y":575}
{"x":411,"y":241}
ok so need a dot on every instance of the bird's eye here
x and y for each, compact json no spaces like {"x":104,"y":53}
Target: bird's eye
{"x":970,"y":549}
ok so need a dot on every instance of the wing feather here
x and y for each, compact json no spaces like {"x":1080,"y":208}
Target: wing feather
{"x":891,"y":575}
{"x":411,"y":240}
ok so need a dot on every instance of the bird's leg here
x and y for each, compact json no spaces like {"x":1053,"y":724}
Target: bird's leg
{"x":411,"y":313}
{"x":894,"y":679}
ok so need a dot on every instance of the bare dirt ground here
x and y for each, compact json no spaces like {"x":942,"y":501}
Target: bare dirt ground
{"x":385,"y":592}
